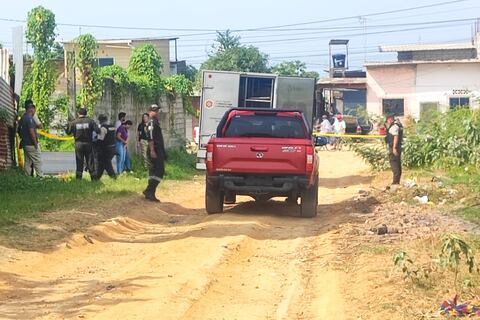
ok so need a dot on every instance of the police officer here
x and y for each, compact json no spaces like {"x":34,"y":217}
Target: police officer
{"x":156,"y":154}
{"x":394,"y":141}
{"x":82,"y":130}
{"x":104,"y":148}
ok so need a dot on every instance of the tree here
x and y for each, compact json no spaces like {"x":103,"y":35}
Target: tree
{"x":144,"y":71}
{"x":226,"y":40}
{"x":40,"y":84}
{"x":190,"y":73}
{"x":86,"y":64}
{"x":57,"y":51}
{"x":295,"y":68}
{"x":246,"y":59}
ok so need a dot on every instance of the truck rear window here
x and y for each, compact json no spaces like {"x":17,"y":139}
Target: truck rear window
{"x":265,"y":126}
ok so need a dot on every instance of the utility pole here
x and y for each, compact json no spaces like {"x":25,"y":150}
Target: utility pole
{"x":363,"y":22}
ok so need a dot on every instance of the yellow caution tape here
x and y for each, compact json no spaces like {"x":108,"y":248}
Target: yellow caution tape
{"x":54,"y":136}
{"x":20,"y":160}
{"x":361,"y":136}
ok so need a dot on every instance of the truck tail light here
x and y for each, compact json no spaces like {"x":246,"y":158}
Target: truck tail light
{"x":359,"y":130}
{"x":309,"y":163}
{"x":209,"y":157}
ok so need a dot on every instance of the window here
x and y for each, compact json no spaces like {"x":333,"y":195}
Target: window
{"x":427,"y":108}
{"x":255,"y":92}
{"x":266,"y":126}
{"x":393,"y":106}
{"x":102,"y":62}
{"x":459,"y":102}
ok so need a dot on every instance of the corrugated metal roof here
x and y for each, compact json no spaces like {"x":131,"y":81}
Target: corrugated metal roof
{"x":414,"y":62}
{"x":6,"y":101}
{"x":426,"y":47}
{"x":4,"y":65}
{"x":123,"y":41}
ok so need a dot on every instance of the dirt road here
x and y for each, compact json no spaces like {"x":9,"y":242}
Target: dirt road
{"x":172,"y":261}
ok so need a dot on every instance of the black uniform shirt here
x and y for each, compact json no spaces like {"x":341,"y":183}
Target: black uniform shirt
{"x":82,"y":129}
{"x":154,"y":133}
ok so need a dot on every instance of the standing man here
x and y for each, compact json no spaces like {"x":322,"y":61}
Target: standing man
{"x":142,"y":139}
{"x":82,"y":130}
{"x":28,"y":132}
{"x":156,"y":154}
{"x":339,"y":127}
{"x":105,"y":149}
{"x":394,"y":141}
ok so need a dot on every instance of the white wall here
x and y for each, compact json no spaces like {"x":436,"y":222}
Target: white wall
{"x":440,"y":82}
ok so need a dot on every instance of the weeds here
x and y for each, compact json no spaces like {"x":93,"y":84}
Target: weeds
{"x":24,"y":197}
{"x":416,"y":274}
{"x":453,"y":248}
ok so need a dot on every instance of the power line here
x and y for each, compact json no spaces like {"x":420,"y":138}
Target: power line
{"x":332,"y":29}
{"x":210,"y":31}
{"x":362,"y":15}
{"x":295,"y":40}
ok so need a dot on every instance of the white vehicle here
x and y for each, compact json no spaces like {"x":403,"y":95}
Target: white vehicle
{"x":223,"y":90}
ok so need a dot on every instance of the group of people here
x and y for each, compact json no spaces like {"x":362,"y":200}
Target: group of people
{"x":335,"y":125}
{"x":393,"y":139}
{"x":96,"y":144}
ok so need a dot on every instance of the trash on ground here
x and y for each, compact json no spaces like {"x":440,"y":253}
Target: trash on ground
{"x":421,"y":200}
{"x":466,"y":309}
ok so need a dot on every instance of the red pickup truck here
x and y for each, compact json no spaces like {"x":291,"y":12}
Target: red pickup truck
{"x":262,"y":153}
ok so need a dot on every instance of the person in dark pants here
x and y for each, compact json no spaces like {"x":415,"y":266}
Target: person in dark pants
{"x":82,"y":130}
{"x":104,"y":149}
{"x":156,"y":154}
{"x":394,"y":141}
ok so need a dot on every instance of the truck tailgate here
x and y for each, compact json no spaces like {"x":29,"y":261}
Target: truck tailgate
{"x":260,"y":155}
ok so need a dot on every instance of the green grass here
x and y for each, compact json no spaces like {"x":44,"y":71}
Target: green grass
{"x":24,"y":197}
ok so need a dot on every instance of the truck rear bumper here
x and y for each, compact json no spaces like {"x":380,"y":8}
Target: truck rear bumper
{"x":258,"y":184}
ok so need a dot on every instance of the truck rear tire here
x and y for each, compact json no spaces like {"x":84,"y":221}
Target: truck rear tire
{"x":309,"y":202}
{"x":213,"y":198}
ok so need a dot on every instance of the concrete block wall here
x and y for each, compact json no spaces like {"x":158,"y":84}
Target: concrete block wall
{"x":172,"y":117}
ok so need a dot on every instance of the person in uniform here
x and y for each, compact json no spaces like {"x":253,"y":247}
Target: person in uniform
{"x":156,"y":154}
{"x":394,"y":141}
{"x":105,"y":148}
{"x":82,"y":130}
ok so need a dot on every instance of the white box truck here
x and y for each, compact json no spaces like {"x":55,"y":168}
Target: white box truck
{"x":223,"y":90}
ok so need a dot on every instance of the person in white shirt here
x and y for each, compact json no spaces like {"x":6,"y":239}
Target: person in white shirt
{"x":325,"y":126}
{"x":339,"y":127}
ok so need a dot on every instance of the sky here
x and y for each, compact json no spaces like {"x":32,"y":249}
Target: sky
{"x":285,"y":30}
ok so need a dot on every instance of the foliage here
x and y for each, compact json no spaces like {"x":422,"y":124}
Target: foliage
{"x":453,"y":247}
{"x":41,"y":81}
{"x":295,"y":68}
{"x":376,"y":155}
{"x":58,"y":112}
{"x":243,"y":58}
{"x":179,"y":85}
{"x":51,"y":193}
{"x":416,"y":274}
{"x":226,"y":40}
{"x":4,"y":117}
{"x":91,"y":86}
{"x":41,"y":30}
{"x":144,"y":71}
{"x":119,"y":78}
{"x":57,"y":51}
{"x":444,"y":140}
{"x":191,"y":73}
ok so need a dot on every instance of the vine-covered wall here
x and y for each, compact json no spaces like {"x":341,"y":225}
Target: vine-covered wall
{"x":172,"y":117}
